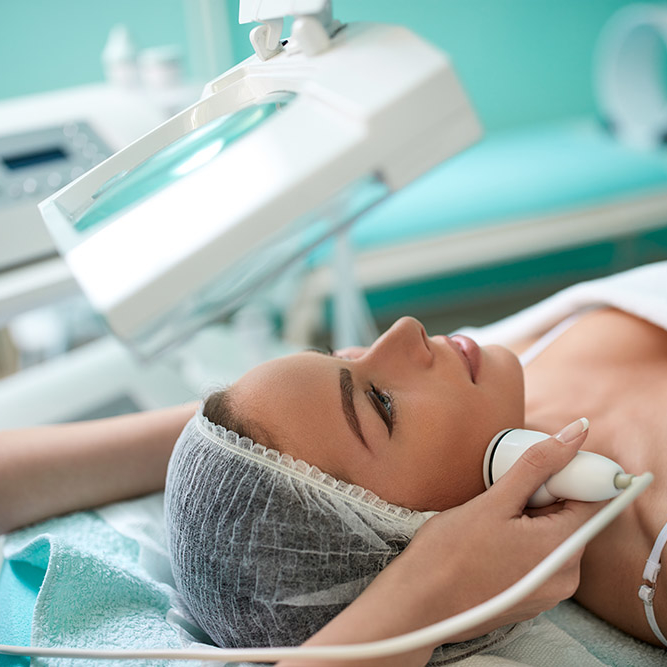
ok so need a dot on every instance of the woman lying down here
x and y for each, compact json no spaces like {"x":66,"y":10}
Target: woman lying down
{"x":339,"y":498}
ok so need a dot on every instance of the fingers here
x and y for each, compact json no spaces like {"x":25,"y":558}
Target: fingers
{"x":580,"y":511}
{"x":538,"y":463}
{"x":544,"y":511}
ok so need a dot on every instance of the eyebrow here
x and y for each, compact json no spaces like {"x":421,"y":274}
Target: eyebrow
{"x":347,"y":398}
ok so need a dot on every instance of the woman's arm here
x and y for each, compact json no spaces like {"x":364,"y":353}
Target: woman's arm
{"x":463,"y":557}
{"x":50,"y":470}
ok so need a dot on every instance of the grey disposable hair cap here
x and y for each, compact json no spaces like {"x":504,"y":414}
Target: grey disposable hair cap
{"x":266,"y":549}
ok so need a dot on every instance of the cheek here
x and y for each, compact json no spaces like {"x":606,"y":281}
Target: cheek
{"x":447,"y":462}
{"x":460,"y":435}
{"x":464,"y":479}
{"x":449,"y":477}
{"x":441,"y":461}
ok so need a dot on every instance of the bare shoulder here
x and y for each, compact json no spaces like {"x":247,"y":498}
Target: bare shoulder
{"x":645,"y":338}
{"x":590,"y":319}
{"x":612,"y":327}
{"x":612,"y":367}
{"x":632,"y":429}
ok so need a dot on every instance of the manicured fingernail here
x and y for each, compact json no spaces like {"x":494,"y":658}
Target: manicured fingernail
{"x":572,"y":431}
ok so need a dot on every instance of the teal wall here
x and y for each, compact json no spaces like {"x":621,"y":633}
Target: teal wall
{"x":522,"y":61}
{"x":50,"y":44}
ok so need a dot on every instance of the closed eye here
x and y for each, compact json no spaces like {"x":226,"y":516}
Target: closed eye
{"x":383,"y":406}
{"x":381,"y":401}
{"x":328,"y":351}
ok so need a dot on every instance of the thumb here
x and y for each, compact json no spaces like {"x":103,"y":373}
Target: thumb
{"x":538,"y":463}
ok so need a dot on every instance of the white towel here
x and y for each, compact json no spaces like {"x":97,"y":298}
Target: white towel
{"x":641,"y":292}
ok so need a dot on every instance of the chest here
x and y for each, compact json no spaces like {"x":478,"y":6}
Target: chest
{"x":612,"y":368}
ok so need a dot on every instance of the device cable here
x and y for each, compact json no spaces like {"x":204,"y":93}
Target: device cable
{"x":437,"y":633}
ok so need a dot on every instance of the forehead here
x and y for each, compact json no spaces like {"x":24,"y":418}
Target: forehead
{"x":296,"y":399}
{"x":282,"y":381}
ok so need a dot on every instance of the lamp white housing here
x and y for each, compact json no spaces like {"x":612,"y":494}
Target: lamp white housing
{"x":180,"y":226}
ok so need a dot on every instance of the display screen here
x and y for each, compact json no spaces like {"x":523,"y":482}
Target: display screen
{"x":33,"y":158}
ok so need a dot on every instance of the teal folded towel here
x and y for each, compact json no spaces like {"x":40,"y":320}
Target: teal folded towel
{"x":102,"y":580}
{"x":19,"y":585}
{"x":96,"y":590}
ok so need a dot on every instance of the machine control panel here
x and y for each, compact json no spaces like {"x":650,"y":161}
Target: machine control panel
{"x":35,"y":164}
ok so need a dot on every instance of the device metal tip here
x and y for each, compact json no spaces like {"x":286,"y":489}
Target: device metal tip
{"x":623,"y":480}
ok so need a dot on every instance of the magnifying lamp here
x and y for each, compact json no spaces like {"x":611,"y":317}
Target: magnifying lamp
{"x":281,"y":152}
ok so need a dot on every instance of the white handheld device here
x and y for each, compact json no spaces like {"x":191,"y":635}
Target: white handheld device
{"x":590,"y":477}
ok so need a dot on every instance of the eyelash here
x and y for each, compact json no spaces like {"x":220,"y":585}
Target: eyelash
{"x":383,"y":399}
{"x":386,"y":404}
{"x":328,"y":350}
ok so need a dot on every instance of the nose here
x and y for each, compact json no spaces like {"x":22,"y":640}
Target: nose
{"x":404,"y":341}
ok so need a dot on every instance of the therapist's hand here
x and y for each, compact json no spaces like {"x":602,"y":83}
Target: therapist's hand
{"x":465,"y":556}
{"x":475,"y":551}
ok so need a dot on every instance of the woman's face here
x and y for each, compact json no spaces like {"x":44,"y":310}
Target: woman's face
{"x":409,"y":418}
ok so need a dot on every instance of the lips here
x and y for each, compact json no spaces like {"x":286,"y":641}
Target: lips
{"x":470,"y":352}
